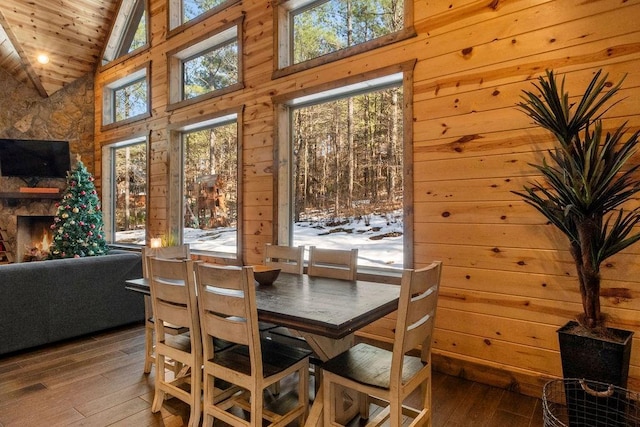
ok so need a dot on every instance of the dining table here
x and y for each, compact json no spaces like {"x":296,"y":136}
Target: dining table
{"x":326,"y":312}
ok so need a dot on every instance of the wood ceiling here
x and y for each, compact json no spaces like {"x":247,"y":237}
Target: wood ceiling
{"x":71,"y":32}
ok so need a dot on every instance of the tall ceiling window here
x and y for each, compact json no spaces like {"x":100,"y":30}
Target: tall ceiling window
{"x":209,"y":67}
{"x":126,"y":99}
{"x":182,"y":12}
{"x":129,"y":32}
{"x":130,"y":100}
{"x":317,"y":30}
{"x":342,"y":183}
{"x":126,"y":191}
{"x":210,"y":157}
{"x":213,"y":69}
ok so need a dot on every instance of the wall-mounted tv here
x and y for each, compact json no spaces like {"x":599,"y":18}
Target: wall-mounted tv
{"x":34,"y":159}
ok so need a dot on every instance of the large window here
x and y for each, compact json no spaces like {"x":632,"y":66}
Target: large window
{"x":125,"y":191}
{"x":319,"y":31}
{"x":129,"y":31}
{"x":342,"y":180}
{"x":210,"y":186}
{"x":126,"y":99}
{"x":209,"y":67}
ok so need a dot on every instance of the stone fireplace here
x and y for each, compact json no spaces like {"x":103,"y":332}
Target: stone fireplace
{"x":33,"y":237}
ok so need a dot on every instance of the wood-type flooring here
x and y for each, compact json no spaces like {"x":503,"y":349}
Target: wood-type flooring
{"x":98,"y":381}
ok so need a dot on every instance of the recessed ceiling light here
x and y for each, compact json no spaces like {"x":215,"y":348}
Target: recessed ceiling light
{"x":43,"y":58}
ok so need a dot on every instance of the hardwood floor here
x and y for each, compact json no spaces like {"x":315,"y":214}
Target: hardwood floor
{"x":98,"y":381}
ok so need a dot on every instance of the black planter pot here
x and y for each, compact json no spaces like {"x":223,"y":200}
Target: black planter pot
{"x":602,"y":360}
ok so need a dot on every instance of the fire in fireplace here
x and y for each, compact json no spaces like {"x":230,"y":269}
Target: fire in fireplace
{"x":33,"y":238}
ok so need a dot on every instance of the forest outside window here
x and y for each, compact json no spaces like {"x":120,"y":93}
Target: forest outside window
{"x":126,"y":99}
{"x":314,"y":32}
{"x":185,"y":12}
{"x":342,"y":182}
{"x":210,"y":186}
{"x":125,"y":191}
{"x":207,"y":68}
{"x":129,"y":31}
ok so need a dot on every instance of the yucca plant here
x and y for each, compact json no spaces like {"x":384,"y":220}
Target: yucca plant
{"x":587,"y":179}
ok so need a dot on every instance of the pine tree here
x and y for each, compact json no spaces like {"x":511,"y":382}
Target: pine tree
{"x":78,"y":227}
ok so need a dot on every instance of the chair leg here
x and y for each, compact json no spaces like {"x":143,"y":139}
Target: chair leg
{"x":303,"y":390}
{"x":257,"y":406}
{"x":207,"y":400}
{"x":158,"y":397}
{"x":395,"y":414}
{"x":196,"y":392}
{"x":148,"y":349}
{"x":327,"y":398}
{"x":275,"y":388}
{"x":364,"y":405}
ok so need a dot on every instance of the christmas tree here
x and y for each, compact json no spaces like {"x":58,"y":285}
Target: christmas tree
{"x":77,"y":226}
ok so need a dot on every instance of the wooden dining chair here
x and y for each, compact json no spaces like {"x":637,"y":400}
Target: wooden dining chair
{"x":289,"y":259}
{"x":165,"y":252}
{"x":228,"y":312}
{"x":173,"y":296}
{"x":388,"y":377}
{"x":333,"y":263}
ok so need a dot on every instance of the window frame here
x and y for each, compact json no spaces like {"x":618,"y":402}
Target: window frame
{"x":174,"y":16}
{"x":197,"y":47}
{"x":283,"y":208}
{"x":283,"y":34}
{"x":121,"y":27}
{"x":108,"y":97}
{"x":176,"y":179}
{"x":109,"y":190}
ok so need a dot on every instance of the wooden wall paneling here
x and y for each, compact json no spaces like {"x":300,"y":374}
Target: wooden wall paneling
{"x":541,"y":44}
{"x":518,"y":259}
{"x":486,"y":189}
{"x":494,"y":328}
{"x":444,"y":17}
{"x":494,"y":121}
{"x":492,"y":235}
{"x":500,"y":352}
{"x":604,"y":52}
{"x":480,"y":166}
{"x":527,"y":24}
{"x":436,"y":104}
{"x":479,"y":212}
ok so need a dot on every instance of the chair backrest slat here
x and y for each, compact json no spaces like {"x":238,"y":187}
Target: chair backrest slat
{"x":288,"y":258}
{"x":175,"y":314}
{"x":333,"y":263}
{"x":232,"y":329}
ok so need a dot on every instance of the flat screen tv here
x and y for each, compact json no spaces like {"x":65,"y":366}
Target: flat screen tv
{"x":32,"y":160}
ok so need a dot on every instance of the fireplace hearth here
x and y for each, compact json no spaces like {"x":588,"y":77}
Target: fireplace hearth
{"x":33,"y":237}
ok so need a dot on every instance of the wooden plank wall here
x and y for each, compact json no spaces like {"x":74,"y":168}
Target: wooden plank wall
{"x":508,"y":280}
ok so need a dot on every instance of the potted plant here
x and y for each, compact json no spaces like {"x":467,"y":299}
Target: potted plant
{"x":587,"y":192}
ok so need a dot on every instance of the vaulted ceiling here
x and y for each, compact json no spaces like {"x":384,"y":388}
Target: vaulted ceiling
{"x":70,"y":32}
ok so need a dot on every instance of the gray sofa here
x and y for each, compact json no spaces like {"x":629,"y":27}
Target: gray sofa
{"x":48,"y":301}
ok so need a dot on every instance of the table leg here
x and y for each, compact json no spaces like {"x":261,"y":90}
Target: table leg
{"x":348,"y":407}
